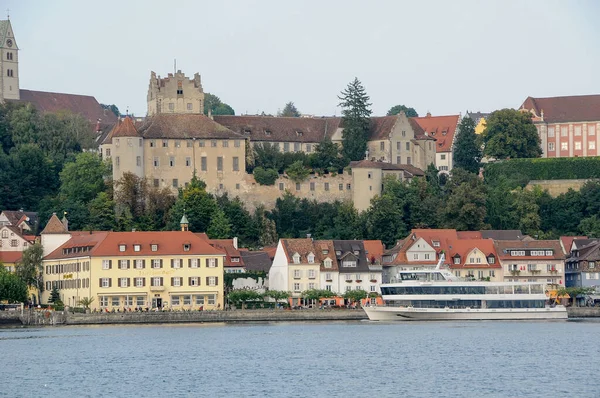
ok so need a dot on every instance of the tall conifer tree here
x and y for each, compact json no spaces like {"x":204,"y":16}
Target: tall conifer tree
{"x":467,"y":153}
{"x":356,"y":111}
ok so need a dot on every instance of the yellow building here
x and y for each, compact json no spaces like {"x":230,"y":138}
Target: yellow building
{"x":121,"y":270}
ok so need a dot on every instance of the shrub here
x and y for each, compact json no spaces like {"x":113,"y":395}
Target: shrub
{"x":297,"y":172}
{"x":265,"y":177}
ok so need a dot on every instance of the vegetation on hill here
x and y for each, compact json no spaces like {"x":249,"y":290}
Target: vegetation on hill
{"x":409,"y":112}
{"x":510,"y":134}
{"x":289,"y":110}
{"x":214,"y":104}
{"x":524,"y":170}
{"x":356,"y":112}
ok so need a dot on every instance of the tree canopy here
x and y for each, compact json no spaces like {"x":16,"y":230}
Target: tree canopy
{"x":213,"y":104}
{"x":396,"y":109}
{"x":289,"y":110}
{"x":12,"y":288}
{"x":510,"y":133}
{"x":467,"y":151}
{"x":356,"y":112}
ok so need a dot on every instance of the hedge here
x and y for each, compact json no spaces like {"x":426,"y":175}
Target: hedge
{"x":543,"y":169}
{"x":265,"y":177}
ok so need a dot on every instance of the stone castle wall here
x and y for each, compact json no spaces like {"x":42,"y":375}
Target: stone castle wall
{"x":557,"y":187}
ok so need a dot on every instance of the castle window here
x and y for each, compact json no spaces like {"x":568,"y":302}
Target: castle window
{"x":237,"y":186}
{"x":312,"y":186}
{"x":219,"y":163}
{"x":369,"y":175}
{"x":9,"y":56}
{"x":382,"y":146}
{"x":152,"y":143}
{"x":189,"y":106}
{"x":138,"y":161}
{"x":398,"y":160}
{"x":296,"y":147}
{"x":156,"y":161}
{"x":177,"y":144}
{"x":268,"y":132}
{"x":108,"y":152}
{"x":156,"y":182}
{"x":236,"y":163}
{"x":225,"y":144}
{"x":281,"y":186}
{"x":309,"y":148}
{"x":189,"y":143}
{"x":203,"y":163}
{"x":403,"y":133}
{"x":165,"y":143}
{"x":213,"y":143}
{"x":408,"y":146}
{"x":286,"y":147}
{"x":221,"y":186}
{"x":188,"y":161}
{"x":348,"y":186}
{"x":129,"y":142}
{"x":236,"y":143}
{"x":408,"y":160}
{"x":117,"y":142}
{"x":9,"y":72}
{"x":175,"y":182}
{"x":326,"y":186}
{"x":299,"y":133}
{"x":297,"y":186}
{"x":201,"y":144}
{"x":341,"y":187}
{"x":117,"y":161}
{"x":172,"y":161}
{"x":171,"y":106}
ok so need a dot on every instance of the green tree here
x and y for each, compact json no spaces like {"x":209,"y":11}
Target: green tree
{"x":327,"y":157}
{"x":113,"y":108}
{"x":526,"y":211}
{"x":511,"y":134}
{"x":85,"y":302}
{"x":396,"y":109}
{"x":197,"y":204}
{"x":54,"y":295}
{"x":297,"y":172}
{"x":219,"y":227}
{"x":216,"y":107}
{"x":356,"y":120}
{"x":277,"y":295}
{"x":12,"y":288}
{"x":465,"y":206}
{"x":242,"y":223}
{"x":590,"y":226}
{"x":266,"y":228}
{"x":317,"y":294}
{"x":265,"y":176}
{"x":467,"y":151}
{"x":384,"y":220}
{"x":101,"y":213}
{"x":30,"y":270}
{"x":83,"y":179}
{"x":345,"y":222}
{"x":267,"y":156}
{"x":289,"y":110}
{"x":355,"y":296}
{"x":243,"y":296}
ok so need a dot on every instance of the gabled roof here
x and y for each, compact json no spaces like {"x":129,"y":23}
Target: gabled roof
{"x":574,"y":108}
{"x":124,"y":128}
{"x":319,"y":247}
{"x":503,"y":248}
{"x":281,"y":129}
{"x":228,"y":246}
{"x":78,"y":239}
{"x":184,"y":126}
{"x":10,"y":257}
{"x":442,"y":128}
{"x":463,"y":247}
{"x":256,"y":260}
{"x":54,"y":226}
{"x":567,"y":241}
{"x":373,"y":249}
{"x":5,"y":25}
{"x":14,"y":217}
{"x":302,"y":246}
{"x":84,"y":105}
{"x":499,"y":234}
{"x":369,"y":164}
{"x":381,"y":127}
{"x":346,"y":247}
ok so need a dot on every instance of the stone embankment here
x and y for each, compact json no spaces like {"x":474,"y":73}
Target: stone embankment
{"x":583,"y":312}
{"x":51,"y":318}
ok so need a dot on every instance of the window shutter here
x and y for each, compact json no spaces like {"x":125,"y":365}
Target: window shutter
{"x":128,"y":282}
{"x":207,"y":281}
{"x":100,"y":284}
{"x":161,"y":280}
{"x":118,"y":282}
{"x":206,"y":263}
{"x":181,"y":263}
{"x":189,"y":281}
{"x":199,"y":281}
{"x":128,"y":264}
{"x":216,"y":262}
{"x":171,"y":263}
{"x":172,"y":280}
{"x":189,"y":263}
{"x":143,"y":281}
{"x":143,"y":263}
{"x":109,"y":282}
{"x":161,"y":263}
{"x":216,"y":281}
{"x":109,"y":264}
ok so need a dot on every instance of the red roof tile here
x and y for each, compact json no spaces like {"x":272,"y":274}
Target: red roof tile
{"x":374,"y":249}
{"x":10,"y":257}
{"x":184,"y":126}
{"x":54,"y":226}
{"x":575,"y":108}
{"x":442,"y":128}
{"x":567,"y":242}
{"x":84,"y":105}
{"x":124,"y":128}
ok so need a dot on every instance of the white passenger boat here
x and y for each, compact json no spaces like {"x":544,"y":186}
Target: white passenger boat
{"x":436,"y":294}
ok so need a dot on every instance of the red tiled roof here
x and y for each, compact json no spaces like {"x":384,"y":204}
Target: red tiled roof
{"x":381,"y":127}
{"x":321,"y":245}
{"x":435,"y":126}
{"x":78,"y":239}
{"x":575,"y":108}
{"x":301,"y":246}
{"x":503,"y":248}
{"x":369,"y":164}
{"x":184,"y":126}
{"x":374,"y":249}
{"x":567,"y":242}
{"x":469,"y":234}
{"x":463,"y":247}
{"x":10,"y":257}
{"x":54,"y":226}
{"x":84,"y":105}
{"x":124,"y":128}
{"x":281,"y":129}
{"x":228,"y":247}
{"x":271,"y":251}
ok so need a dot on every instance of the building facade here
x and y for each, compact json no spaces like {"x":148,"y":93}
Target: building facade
{"x":443,"y":129}
{"x":125,"y":270}
{"x":175,"y":94}
{"x":567,"y":126}
{"x":582,"y":266}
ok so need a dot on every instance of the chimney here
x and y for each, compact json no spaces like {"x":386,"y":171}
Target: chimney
{"x":210,"y":114}
{"x":64,"y":221}
{"x":428,"y":114}
{"x":309,"y":236}
{"x":235,"y":242}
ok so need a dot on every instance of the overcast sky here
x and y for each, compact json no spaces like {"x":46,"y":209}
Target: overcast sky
{"x":444,"y":57}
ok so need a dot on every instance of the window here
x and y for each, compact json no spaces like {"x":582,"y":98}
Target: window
{"x":194,"y":281}
{"x":296,"y":287}
{"x":122,"y":248}
{"x":592,"y":264}
{"x":175,"y":182}
{"x":194,"y":263}
{"x":312,"y":186}
{"x":382,"y":146}
{"x":9,"y":56}
{"x":154,"y":247}
{"x":328,"y":263}
{"x":309,"y":148}
{"x":564,"y":146}
{"x":296,"y":258}
{"x":118,"y":161}
{"x":157,"y":281}
{"x":189,"y":106}
{"x":426,"y":256}
{"x":517,"y":252}
{"x":225,"y":144}
{"x":152,"y":143}
{"x":326,"y":186}
{"x":9,"y":72}
{"x":139,"y":264}
{"x":311,"y":272}
{"x":211,"y":262}
{"x":213,"y":143}
{"x":212,"y":281}
{"x":456,"y":260}
{"x":297,"y":274}
{"x":408,"y":160}
{"x":201,"y":143}
{"x":564,"y":131}
{"x":171,"y":106}
{"x":311,"y":260}
{"x":103,"y":301}
{"x":177,"y":144}
{"x":341,"y":187}
{"x":176,"y":282}
{"x":139,"y":301}
{"x":591,"y":129}
{"x":408,"y":146}
{"x":156,"y":263}
{"x":398,"y":160}
{"x":443,"y":156}
{"x":286,"y":147}
{"x":577,"y":145}
{"x":236,"y":143}
{"x":236,"y":163}
{"x":281,"y":186}
{"x":550,"y":131}
{"x":171,"y":161}
{"x":108,"y":152}
{"x":123,"y":264}
{"x":187,"y":300}
{"x":115,"y":301}
{"x":296,"y":147}
{"x":220,"y":163}
{"x":175,"y":263}
{"x":349,"y":263}
{"x":188,"y":161}
{"x":105,"y":264}
{"x":186,"y":247}
{"x":348,"y":186}
{"x":591,"y":144}
{"x":297,"y":186}
{"x":436,"y":243}
{"x":577,"y":130}
{"x":551,"y":146}
{"x":174,"y":300}
{"x":156,"y":162}
{"x":203,"y":163}
{"x":165,"y":143}
{"x":123,"y":282}
{"x":138,"y":161}
{"x":491,"y":260}
{"x":105,"y":282}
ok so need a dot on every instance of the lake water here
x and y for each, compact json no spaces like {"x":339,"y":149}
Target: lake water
{"x":335,"y":359}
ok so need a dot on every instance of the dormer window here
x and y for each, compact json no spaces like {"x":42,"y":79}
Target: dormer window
{"x":137,"y":248}
{"x":436,"y":243}
{"x":311,"y":258}
{"x":154,"y":247}
{"x":186,"y":247}
{"x":296,"y":258}
{"x":338,"y":252}
{"x":299,"y":133}
{"x":548,"y":252}
{"x":327,"y":263}
{"x":444,"y":132}
{"x":247,"y":131}
{"x":325,"y":251}
{"x":268,"y":132}
{"x":235,"y":259}
{"x":122,"y":248}
{"x":349,"y":263}
{"x":457,"y":260}
{"x":491,"y":260}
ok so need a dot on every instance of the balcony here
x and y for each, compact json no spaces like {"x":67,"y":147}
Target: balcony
{"x":535,"y":271}
{"x":515,"y":272}
{"x":358,"y":280}
{"x":328,"y":280}
{"x":553,"y":271}
{"x":373,"y":281}
{"x":349,"y":280}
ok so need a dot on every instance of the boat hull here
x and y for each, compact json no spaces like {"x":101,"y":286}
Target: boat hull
{"x":446,"y":314}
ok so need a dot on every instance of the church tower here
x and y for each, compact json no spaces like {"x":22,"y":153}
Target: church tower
{"x":175,"y":94}
{"x":9,"y":63}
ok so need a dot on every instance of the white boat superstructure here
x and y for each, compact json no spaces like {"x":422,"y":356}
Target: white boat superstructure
{"x":436,"y":294}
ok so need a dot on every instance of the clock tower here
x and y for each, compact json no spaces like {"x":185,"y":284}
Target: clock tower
{"x":9,"y":63}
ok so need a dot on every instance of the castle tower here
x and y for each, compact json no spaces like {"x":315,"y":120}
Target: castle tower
{"x":9,"y":63}
{"x":127,"y":146}
{"x":185,"y":224}
{"x":175,"y":94}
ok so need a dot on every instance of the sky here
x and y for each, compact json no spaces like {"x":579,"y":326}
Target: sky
{"x":442,"y":57}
